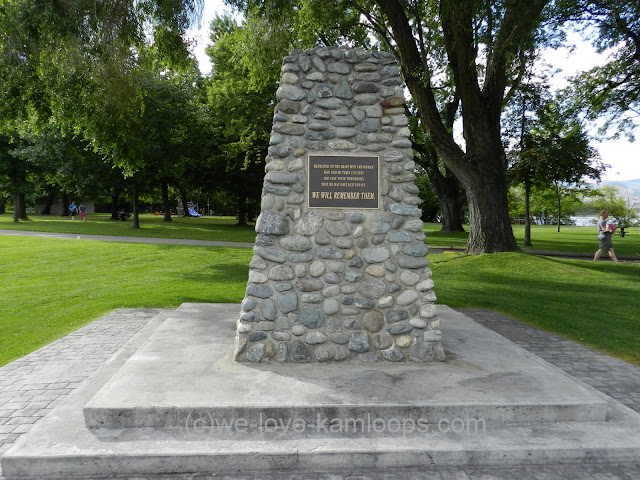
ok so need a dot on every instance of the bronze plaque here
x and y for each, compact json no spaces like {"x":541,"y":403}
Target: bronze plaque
{"x":343,"y":181}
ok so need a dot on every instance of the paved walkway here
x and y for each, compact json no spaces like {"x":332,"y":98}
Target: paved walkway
{"x":115,"y":238}
{"x":183,"y":241}
{"x":33,"y":385}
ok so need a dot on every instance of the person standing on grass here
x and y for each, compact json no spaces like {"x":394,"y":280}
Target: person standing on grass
{"x":73,"y":208}
{"x":604,"y":237}
{"x":83,"y":215}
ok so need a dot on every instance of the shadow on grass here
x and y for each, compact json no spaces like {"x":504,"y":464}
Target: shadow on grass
{"x":629,"y":270}
{"x":225,"y":273}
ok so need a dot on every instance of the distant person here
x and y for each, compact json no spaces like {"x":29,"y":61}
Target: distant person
{"x":605,"y":231}
{"x":73,"y":208}
{"x":83,"y":212}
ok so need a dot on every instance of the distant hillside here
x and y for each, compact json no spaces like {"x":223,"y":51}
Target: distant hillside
{"x":633,"y":185}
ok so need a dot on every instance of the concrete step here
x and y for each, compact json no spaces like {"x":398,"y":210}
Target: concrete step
{"x":165,"y":451}
{"x":185,"y":371}
{"x":161,"y":406}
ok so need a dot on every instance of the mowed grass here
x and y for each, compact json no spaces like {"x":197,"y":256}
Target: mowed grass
{"x":596,"y":304}
{"x":50,"y":287}
{"x":222,"y":229}
{"x":546,"y":238}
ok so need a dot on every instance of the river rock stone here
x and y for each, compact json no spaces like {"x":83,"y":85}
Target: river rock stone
{"x":287,"y":302}
{"x":397,"y":315}
{"x":296,"y":243}
{"x":255,"y":352}
{"x":339,"y":282}
{"x":299,"y":352}
{"x":373,"y":321}
{"x":407,"y":297}
{"x":393,"y":354}
{"x":311,"y":317}
{"x":372,"y":288}
{"x":309,"y":224}
{"x":412,"y":262}
{"x":259,"y":291}
{"x":331,"y":306}
{"x":375,"y":255}
{"x":272,"y":223}
{"x":315,"y":337}
{"x":269,"y":309}
{"x":359,"y":342}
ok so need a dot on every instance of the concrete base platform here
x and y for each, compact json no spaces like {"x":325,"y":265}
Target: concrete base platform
{"x":180,"y":405}
{"x":185,"y":371}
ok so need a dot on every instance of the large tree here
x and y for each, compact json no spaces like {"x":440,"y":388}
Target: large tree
{"x":484,"y":44}
{"x":77,"y":64}
{"x":242,"y":112}
{"x":519,"y":119}
{"x":610,"y":92}
{"x":557,"y":154}
{"x":451,"y":52}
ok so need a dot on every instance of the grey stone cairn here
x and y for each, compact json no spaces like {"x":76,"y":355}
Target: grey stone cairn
{"x":339,"y":284}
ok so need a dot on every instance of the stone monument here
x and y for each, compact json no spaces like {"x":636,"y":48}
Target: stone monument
{"x":339,"y":270}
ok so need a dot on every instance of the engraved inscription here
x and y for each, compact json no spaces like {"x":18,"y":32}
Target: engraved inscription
{"x":343,"y":181}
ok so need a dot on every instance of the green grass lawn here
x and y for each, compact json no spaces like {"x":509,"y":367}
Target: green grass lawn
{"x":596,"y":304}
{"x":546,"y":238}
{"x":222,"y":229}
{"x":50,"y":287}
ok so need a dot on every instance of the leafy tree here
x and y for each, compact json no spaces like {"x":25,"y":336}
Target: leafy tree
{"x":451,"y":53}
{"x":610,"y":92}
{"x":77,"y":64}
{"x":518,"y":119}
{"x":242,"y":112}
{"x":621,"y":205}
{"x":557,"y":152}
{"x":444,"y":184}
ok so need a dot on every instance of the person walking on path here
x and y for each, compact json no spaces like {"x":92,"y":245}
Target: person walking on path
{"x":83,"y":215}
{"x":604,"y":237}
{"x":73,"y":208}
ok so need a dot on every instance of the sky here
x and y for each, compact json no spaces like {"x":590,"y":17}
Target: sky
{"x":201,"y":36}
{"x":621,"y":154}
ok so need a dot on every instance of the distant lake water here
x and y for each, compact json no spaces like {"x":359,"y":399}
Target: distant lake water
{"x":584,"y":221}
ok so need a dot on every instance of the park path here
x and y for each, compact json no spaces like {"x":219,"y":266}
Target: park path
{"x":211,"y":243}
{"x":115,"y":238}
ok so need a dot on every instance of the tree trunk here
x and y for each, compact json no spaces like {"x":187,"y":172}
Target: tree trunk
{"x":447,"y":187}
{"x":490,"y":230}
{"x":115,"y":200}
{"x":49,"y":199}
{"x":527,"y":214}
{"x":559,"y":205}
{"x":3,"y":202}
{"x":134,"y":202}
{"x":242,"y":210}
{"x":166,"y":208}
{"x":482,"y":167}
{"x":185,"y":204}
{"x":18,"y":208}
{"x":451,"y":197}
{"x":23,"y":208}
